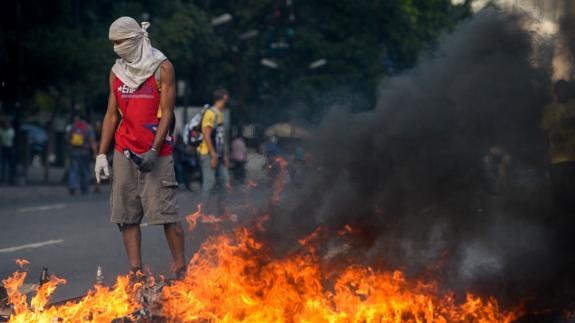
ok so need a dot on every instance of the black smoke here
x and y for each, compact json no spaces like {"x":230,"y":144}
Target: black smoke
{"x":409,"y":175}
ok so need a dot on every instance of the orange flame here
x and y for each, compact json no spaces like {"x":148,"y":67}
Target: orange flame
{"x":99,"y":305}
{"x":44,"y":291}
{"x":22,"y":263}
{"x":233,"y":278}
{"x":197,"y":216}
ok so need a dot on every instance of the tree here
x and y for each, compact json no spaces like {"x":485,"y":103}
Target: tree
{"x":362,"y":41}
{"x":62,"y":50}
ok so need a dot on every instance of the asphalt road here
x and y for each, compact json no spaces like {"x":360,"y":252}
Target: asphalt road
{"x":72,"y":236}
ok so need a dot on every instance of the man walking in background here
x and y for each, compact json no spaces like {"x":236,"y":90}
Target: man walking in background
{"x":142,"y":90}
{"x":212,"y":151}
{"x":81,"y":148}
{"x":559,"y":126}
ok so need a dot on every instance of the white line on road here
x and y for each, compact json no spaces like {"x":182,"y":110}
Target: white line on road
{"x":31,"y":245}
{"x":42,"y":208}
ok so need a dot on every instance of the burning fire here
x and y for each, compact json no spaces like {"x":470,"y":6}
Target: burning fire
{"x":100,"y":305}
{"x":234,"y":278}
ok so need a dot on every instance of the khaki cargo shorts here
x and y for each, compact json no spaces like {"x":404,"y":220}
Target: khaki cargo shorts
{"x":135,"y":195}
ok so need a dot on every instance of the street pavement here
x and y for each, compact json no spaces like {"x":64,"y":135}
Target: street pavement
{"x":72,"y":236}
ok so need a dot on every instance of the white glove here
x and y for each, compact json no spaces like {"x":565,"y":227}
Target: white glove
{"x":101,"y":166}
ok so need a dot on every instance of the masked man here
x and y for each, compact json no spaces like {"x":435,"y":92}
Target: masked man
{"x":142,"y":92}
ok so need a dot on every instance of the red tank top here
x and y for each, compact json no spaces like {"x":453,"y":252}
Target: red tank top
{"x":140,"y":117}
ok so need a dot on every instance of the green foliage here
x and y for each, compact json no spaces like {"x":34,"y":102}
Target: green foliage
{"x":362,"y":41}
{"x":65,"y":52}
{"x":186,"y":36}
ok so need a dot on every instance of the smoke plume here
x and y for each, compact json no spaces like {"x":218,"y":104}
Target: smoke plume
{"x":411,"y":178}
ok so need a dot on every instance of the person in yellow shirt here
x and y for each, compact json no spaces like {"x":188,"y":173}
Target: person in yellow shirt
{"x":559,"y":126}
{"x":212,"y":150}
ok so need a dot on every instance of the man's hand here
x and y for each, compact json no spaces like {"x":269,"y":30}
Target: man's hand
{"x":149,"y":160}
{"x":101,"y":166}
{"x":214,"y":161}
{"x":226,"y":161}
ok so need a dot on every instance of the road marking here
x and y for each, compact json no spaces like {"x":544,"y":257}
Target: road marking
{"x":30,"y":246}
{"x":42,"y":208}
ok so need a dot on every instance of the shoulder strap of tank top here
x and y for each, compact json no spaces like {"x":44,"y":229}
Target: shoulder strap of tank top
{"x":157,"y":76}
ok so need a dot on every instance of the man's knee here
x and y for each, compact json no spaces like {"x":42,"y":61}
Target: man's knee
{"x":208,"y":183}
{"x":174,"y":226}
{"x":126,"y":226}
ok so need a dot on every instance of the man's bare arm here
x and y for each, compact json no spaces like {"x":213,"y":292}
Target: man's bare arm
{"x":93,"y":146}
{"x":167,"y":101}
{"x":110,"y":120}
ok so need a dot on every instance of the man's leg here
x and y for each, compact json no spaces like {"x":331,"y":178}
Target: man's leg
{"x":4,"y":165}
{"x":159,"y":188}
{"x":175,"y":237}
{"x":11,"y":154}
{"x":178,"y":168}
{"x":132,"y":237}
{"x":2,"y":162}
{"x":242,"y":172}
{"x":224,"y":181}
{"x":208,"y":180}
{"x":86,"y":174}
{"x":11,"y":165}
{"x":73,"y":180}
{"x":187,"y":169}
{"x":126,"y":207}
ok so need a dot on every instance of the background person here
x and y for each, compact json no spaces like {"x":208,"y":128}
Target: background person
{"x":496,"y":165}
{"x":559,"y":126}
{"x":97,"y":138}
{"x":182,"y":162}
{"x":7,"y":150}
{"x":81,"y":147}
{"x":239,"y":157}
{"x":212,"y":150}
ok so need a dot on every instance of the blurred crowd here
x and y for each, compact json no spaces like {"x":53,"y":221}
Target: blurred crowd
{"x":248,"y":160}
{"x":260,"y":159}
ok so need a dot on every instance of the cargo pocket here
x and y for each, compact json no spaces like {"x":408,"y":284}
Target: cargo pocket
{"x":168,"y":203}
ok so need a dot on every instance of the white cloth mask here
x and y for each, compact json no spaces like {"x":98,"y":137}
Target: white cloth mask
{"x":138,"y":59}
{"x":127,"y":50}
